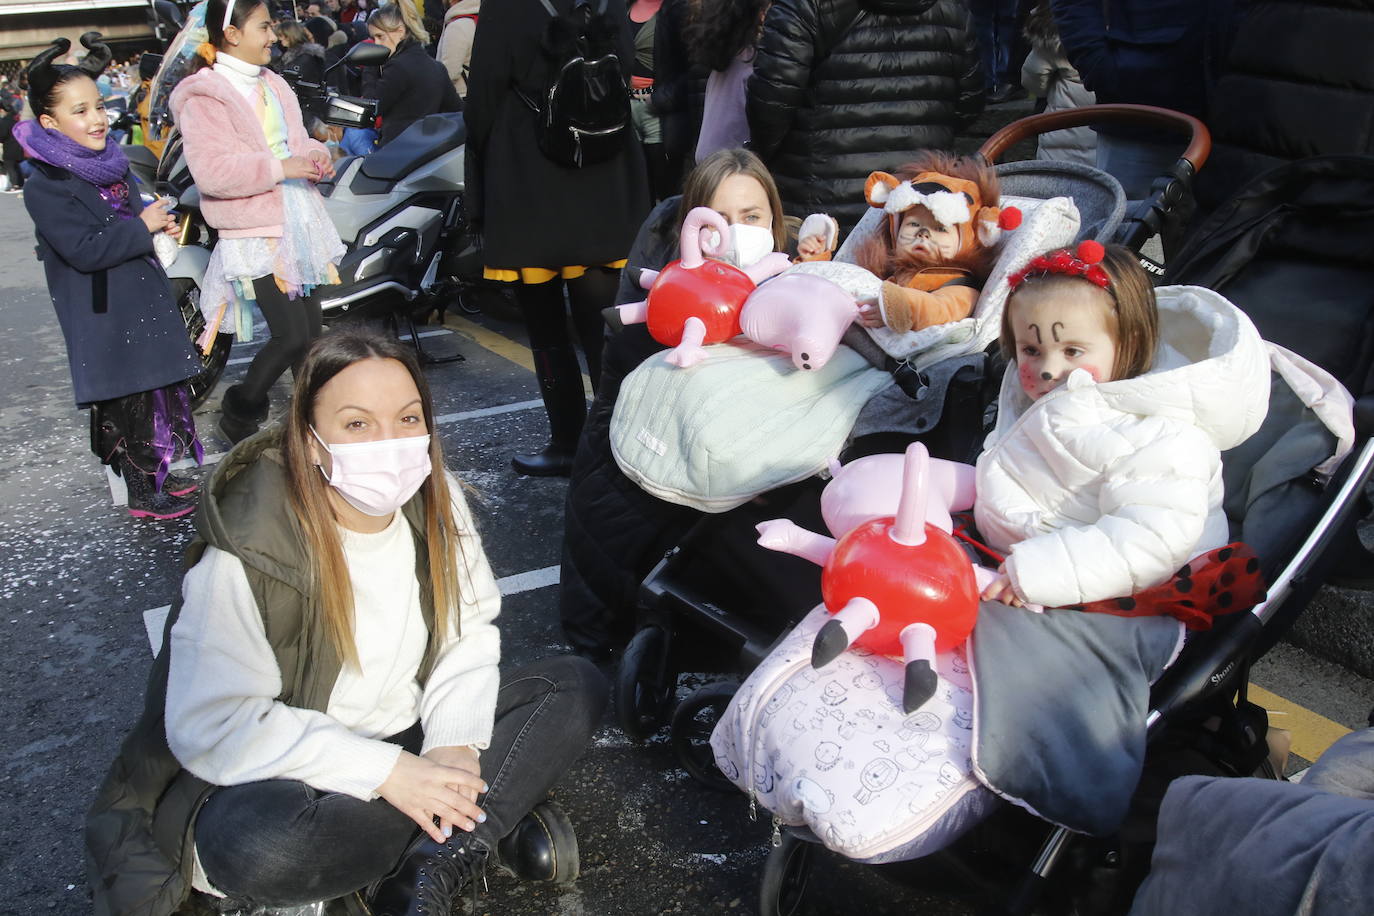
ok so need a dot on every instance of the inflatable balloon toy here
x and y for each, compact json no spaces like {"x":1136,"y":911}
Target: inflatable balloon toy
{"x":801,"y":314}
{"x":900,"y":586}
{"x":696,"y":300}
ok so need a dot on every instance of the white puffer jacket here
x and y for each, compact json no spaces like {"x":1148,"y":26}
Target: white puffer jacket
{"x":1101,"y":490}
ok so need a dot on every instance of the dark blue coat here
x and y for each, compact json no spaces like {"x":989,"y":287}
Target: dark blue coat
{"x":1147,"y":52}
{"x":123,"y":328}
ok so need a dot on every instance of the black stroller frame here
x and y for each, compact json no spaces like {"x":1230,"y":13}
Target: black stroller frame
{"x":1209,"y":678}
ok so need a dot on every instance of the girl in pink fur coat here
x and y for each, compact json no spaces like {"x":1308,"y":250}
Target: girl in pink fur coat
{"x":255,"y":167}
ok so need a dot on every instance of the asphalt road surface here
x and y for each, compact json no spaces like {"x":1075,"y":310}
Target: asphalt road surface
{"x":78,"y":578}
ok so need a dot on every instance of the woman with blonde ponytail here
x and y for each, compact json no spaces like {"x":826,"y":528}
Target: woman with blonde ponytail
{"x":333,"y":720}
{"x":414,"y":84}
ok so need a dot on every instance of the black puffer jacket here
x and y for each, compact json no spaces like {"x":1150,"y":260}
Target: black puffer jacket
{"x":844,"y":87}
{"x":1297,"y":83}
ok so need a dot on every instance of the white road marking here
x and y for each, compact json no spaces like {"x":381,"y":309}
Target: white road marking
{"x":154,"y":620}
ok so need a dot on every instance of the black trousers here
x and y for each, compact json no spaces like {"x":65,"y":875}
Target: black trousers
{"x":284,"y":843}
{"x":292,"y":323}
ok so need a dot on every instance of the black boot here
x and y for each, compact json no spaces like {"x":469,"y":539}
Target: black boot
{"x":542,"y":847}
{"x":145,"y":500}
{"x":239,"y":418}
{"x":560,"y":384}
{"x":430,"y":877}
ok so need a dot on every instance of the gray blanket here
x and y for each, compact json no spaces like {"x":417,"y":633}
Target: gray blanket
{"x":1060,"y":700}
{"x":1269,"y":847}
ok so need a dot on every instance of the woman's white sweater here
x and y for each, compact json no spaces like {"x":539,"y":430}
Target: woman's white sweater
{"x":225,"y":724}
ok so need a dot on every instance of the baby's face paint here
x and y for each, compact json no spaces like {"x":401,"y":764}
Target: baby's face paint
{"x":920,"y":233}
{"x":1060,"y":328}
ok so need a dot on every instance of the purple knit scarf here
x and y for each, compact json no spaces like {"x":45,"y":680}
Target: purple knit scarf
{"x":101,"y":168}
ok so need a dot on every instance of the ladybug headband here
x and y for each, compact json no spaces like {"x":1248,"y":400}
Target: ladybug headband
{"x":1087,"y":263}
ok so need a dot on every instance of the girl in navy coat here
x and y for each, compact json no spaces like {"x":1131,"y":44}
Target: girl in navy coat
{"x":127,"y":344}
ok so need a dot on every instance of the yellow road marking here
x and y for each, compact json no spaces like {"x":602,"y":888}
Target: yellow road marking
{"x":490,"y":340}
{"x":1312,"y":733}
{"x":501,"y":345}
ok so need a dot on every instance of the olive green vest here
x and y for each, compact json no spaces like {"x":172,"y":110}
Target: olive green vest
{"x":139,"y":830}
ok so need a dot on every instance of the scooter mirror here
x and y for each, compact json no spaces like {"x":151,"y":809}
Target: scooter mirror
{"x":367,"y":54}
{"x":148,"y":64}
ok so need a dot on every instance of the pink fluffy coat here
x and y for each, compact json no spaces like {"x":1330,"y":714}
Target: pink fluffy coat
{"x":235,"y":171}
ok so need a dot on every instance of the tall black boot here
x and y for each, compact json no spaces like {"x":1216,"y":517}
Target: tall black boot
{"x":430,"y":877}
{"x":560,"y":384}
{"x":240,"y":417}
{"x":541,"y":847}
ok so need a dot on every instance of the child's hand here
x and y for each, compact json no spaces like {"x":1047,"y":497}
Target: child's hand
{"x":155,"y":217}
{"x":1000,"y":589}
{"x":870,"y":316}
{"x":300,"y":167}
{"x":322,"y":159}
{"x":810,"y":247}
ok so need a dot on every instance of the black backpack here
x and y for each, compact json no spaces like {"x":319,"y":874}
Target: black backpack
{"x":583,"y":105}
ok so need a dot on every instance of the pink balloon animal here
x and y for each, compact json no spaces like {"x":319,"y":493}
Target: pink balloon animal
{"x":895,"y":583}
{"x":800,"y":314}
{"x":695,"y":301}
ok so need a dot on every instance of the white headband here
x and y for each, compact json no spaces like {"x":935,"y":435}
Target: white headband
{"x":228,"y":14}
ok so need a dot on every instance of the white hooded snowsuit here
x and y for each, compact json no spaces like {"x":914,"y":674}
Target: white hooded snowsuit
{"x":1101,"y":490}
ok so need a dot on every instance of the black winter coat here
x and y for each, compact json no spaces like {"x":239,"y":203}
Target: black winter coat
{"x":123,"y":329}
{"x":844,"y":87}
{"x":533,"y":212}
{"x":413,"y":85}
{"x":679,"y":88}
{"x":1297,"y":83}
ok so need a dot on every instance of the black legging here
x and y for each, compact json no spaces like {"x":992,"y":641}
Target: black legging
{"x":14,"y":174}
{"x":293,"y":323}
{"x":546,"y":319}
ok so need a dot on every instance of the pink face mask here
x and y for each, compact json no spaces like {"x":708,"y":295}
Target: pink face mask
{"x":377,"y":478}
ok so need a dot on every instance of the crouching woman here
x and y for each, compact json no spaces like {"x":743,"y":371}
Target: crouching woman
{"x":326,"y":717}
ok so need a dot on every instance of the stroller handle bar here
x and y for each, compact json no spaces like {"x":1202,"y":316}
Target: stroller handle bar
{"x":1199,"y":139}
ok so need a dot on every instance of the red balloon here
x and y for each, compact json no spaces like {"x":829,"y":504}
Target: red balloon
{"x":924,"y":583}
{"x":714,"y":292}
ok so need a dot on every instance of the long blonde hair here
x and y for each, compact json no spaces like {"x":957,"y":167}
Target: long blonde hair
{"x":331,"y":593}
{"x":397,"y":15}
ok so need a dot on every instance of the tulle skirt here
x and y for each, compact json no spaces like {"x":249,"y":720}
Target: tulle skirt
{"x":303,"y":258}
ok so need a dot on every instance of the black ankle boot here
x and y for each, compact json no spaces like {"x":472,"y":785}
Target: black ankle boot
{"x":240,"y":418}
{"x":542,"y":847}
{"x":430,"y":877}
{"x":560,"y":385}
{"x":145,"y":500}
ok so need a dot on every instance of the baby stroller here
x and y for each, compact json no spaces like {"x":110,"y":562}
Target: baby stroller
{"x":1309,"y":522}
{"x":941,"y":401}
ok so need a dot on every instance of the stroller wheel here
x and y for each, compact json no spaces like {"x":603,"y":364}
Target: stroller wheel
{"x":643,"y":689}
{"x":785,"y":873}
{"x":690,"y":733}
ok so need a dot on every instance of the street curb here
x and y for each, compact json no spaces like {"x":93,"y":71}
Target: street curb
{"x":1338,"y":625}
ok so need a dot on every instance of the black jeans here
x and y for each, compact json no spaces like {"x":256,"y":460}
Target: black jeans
{"x":282,"y":843}
{"x":292,"y":324}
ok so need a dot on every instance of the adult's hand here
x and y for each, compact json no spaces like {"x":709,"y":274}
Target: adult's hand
{"x":155,"y":217}
{"x":422,"y":790}
{"x":462,"y":758}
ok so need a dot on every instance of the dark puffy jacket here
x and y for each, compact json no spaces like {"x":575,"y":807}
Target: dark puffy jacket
{"x":844,"y":87}
{"x":1298,"y":83}
{"x":679,"y":88}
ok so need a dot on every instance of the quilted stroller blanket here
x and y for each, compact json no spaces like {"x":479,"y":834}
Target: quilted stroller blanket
{"x":1044,"y":710}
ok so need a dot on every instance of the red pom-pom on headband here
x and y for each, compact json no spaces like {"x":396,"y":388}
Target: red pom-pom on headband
{"x":1087,"y":264}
